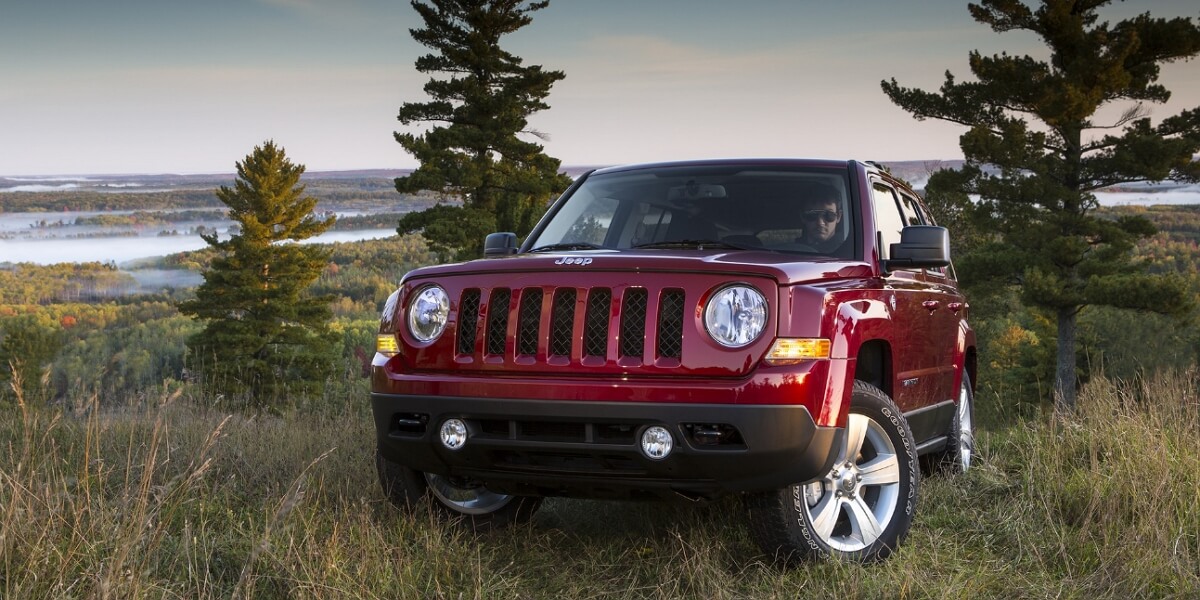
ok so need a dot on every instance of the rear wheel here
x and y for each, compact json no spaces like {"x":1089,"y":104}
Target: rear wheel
{"x":453,"y":497}
{"x":862,"y":508}
{"x":960,"y":440}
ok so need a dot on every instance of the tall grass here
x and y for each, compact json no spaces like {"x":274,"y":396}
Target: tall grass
{"x":174,"y":500}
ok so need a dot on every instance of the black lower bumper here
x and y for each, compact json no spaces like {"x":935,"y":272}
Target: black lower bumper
{"x":592,"y":449}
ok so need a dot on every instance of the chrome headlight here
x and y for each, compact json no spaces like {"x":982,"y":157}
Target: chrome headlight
{"x":736,"y":316}
{"x":427,"y":313}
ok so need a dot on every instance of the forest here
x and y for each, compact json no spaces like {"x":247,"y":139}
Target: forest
{"x":69,"y":332}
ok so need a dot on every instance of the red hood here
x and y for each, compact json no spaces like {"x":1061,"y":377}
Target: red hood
{"x":785,"y":269}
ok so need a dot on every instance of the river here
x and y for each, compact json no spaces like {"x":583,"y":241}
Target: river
{"x":123,"y":250}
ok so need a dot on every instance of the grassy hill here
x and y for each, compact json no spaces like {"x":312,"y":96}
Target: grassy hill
{"x":164,"y":499}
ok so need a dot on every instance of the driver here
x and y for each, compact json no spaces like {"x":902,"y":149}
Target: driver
{"x":822,"y":215}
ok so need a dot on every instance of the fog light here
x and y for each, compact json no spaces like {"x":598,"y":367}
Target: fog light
{"x":454,"y":434}
{"x":657,"y":443}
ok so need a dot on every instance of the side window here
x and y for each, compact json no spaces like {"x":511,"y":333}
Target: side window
{"x":913,"y":215}
{"x":887,"y":217}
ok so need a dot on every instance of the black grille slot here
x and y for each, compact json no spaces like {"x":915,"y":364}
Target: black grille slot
{"x":562,"y":317}
{"x":670,"y":324}
{"x":595,"y":327}
{"x":528,"y":318}
{"x":493,"y":427}
{"x":468,"y":320}
{"x":633,"y":322}
{"x":497,"y":320}
{"x":551,"y":431}
{"x":614,"y":433}
{"x":409,"y":423}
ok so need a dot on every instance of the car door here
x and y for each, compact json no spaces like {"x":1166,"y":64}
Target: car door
{"x":914,"y":303}
{"x":942,"y":299}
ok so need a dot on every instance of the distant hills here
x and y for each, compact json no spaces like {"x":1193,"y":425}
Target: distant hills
{"x":916,"y":172}
{"x":162,"y":182}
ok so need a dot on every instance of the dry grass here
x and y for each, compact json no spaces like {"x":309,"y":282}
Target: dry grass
{"x":177,"y":501}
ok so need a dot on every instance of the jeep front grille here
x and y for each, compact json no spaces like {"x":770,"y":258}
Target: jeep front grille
{"x":595,"y":326}
{"x":468,"y":319}
{"x":579,"y":325}
{"x":670,"y":324}
{"x":528,"y":321}
{"x":562,"y":319}
{"x":633,"y":323}
{"x":497,"y":321}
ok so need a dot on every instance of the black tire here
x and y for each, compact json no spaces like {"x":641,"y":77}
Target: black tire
{"x":959,"y":453}
{"x":882,"y":497}
{"x":451,"y":498}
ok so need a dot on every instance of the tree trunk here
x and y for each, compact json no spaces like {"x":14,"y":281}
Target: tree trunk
{"x":1064,"y":373}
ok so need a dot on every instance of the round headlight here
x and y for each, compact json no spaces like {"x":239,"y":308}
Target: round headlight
{"x":736,"y":316}
{"x":427,"y":313}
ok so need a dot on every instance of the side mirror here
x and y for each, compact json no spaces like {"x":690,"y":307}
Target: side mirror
{"x":497,"y":245}
{"x":920,"y":247}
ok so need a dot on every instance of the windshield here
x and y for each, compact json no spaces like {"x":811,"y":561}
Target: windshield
{"x":782,"y":209}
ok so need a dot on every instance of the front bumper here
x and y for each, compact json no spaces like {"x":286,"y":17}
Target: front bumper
{"x":591,"y":448}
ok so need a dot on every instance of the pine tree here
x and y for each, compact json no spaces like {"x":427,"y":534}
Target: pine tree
{"x":474,"y":153}
{"x":264,"y":334}
{"x":1035,"y":153}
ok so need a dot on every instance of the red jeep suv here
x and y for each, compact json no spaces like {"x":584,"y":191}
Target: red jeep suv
{"x":787,"y":330}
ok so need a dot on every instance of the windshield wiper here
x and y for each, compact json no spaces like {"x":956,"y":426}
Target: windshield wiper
{"x":568,"y":246}
{"x":698,"y":244}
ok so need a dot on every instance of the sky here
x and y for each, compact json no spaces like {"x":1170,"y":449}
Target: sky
{"x":161,"y":86}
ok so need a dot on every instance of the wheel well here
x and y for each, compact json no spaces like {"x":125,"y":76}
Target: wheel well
{"x":874,"y":365}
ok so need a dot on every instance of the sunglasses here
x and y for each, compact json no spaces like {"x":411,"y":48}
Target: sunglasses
{"x":829,"y":216}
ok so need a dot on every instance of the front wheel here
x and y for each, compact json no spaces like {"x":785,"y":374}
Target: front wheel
{"x":862,"y":508}
{"x":452,"y":497}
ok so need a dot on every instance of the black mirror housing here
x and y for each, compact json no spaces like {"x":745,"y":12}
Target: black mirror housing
{"x":497,"y":245}
{"x":920,"y":247}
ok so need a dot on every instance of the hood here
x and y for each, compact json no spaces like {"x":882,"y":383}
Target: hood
{"x":784,"y":269}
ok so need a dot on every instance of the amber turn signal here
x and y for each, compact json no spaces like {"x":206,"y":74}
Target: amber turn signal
{"x":386,"y":344}
{"x":789,"y":351}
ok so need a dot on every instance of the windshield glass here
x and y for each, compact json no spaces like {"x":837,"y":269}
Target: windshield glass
{"x":782,"y":209}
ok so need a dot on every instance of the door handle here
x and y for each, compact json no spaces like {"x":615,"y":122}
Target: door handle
{"x":955,"y":306}
{"x":931,"y":304}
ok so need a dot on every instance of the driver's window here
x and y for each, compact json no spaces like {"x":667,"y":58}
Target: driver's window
{"x":888,"y":220}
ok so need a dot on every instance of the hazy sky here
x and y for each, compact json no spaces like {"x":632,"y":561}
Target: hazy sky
{"x":161,"y":86}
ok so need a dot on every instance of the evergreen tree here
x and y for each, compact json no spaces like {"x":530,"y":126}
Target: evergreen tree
{"x":1035,"y":153}
{"x":474,"y":153}
{"x":264,"y":334}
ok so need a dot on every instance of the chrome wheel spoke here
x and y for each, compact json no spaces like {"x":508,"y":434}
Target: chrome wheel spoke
{"x":883,"y":470}
{"x":863,"y":522}
{"x":824,"y":516}
{"x":856,"y":431}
